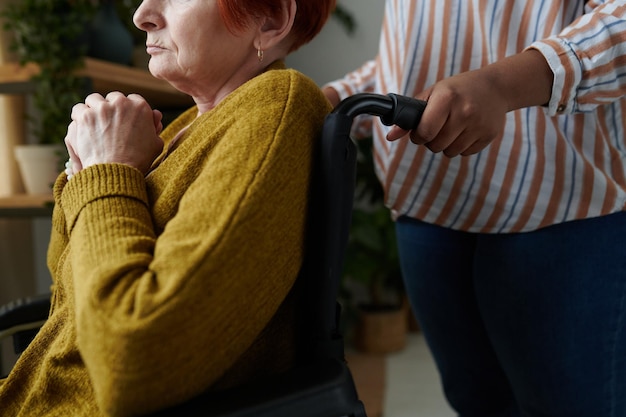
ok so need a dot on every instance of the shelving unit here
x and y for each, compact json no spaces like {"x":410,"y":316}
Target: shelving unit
{"x":103,"y":77}
{"x":26,"y":206}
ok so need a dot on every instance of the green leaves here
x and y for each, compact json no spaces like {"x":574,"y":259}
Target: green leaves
{"x":54,"y":35}
{"x":345,"y":19}
{"x":372,"y":254}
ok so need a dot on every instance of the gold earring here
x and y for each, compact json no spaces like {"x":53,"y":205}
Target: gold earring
{"x":259,"y":54}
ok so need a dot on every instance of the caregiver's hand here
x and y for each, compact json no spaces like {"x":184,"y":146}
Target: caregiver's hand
{"x":466,"y":112}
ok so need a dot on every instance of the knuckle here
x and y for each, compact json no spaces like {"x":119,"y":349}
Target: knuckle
{"x":450,"y":153}
{"x":469,"y":110}
{"x":435,"y":147}
{"x":421,"y":136}
{"x":115,"y":94}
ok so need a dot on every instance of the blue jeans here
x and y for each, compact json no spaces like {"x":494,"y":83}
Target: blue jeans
{"x":525,"y":324}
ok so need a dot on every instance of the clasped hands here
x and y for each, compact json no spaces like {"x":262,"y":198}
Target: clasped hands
{"x":113,"y":129}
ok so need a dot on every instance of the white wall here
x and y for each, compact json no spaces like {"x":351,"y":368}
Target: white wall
{"x":333,"y":53}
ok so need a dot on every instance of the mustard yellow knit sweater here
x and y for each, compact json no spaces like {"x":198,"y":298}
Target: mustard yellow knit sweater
{"x":173,"y":283}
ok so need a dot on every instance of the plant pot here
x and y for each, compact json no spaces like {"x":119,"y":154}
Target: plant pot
{"x":381,"y":329}
{"x":40,"y":165}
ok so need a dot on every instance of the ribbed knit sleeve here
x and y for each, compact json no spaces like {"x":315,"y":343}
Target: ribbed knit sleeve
{"x":115,"y":182}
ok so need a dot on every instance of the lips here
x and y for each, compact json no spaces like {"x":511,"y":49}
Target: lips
{"x":153,"y":49}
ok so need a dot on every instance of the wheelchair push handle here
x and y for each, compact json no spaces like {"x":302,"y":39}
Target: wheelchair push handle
{"x":406,"y":112}
{"x":393,"y":109}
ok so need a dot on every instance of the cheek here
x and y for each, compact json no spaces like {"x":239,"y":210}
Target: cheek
{"x":189,"y":47}
{"x":190,"y":62}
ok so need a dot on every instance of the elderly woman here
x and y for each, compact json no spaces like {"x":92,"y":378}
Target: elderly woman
{"x":174,"y":254}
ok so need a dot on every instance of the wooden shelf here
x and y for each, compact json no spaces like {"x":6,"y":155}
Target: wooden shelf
{"x":24,"y":205}
{"x":104,"y":77}
{"x":14,"y":79}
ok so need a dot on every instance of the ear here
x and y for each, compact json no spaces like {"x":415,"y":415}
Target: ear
{"x":273,"y":29}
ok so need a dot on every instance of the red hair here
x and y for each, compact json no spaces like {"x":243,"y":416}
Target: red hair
{"x":311,"y":15}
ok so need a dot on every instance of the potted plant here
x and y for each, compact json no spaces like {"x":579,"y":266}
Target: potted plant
{"x":53,"y":35}
{"x":345,"y":18}
{"x":372,"y":265}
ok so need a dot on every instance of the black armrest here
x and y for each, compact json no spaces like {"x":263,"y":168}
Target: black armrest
{"x":22,"y":319}
{"x":323,"y":388}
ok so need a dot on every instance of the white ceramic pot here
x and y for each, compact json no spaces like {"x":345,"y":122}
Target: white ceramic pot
{"x":40,"y":165}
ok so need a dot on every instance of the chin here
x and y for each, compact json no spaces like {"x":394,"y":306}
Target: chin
{"x":156,"y":70}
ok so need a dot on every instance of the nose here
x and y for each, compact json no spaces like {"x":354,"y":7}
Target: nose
{"x":148,"y":16}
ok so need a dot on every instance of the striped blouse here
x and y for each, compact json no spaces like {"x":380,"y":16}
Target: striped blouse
{"x":553,"y":164}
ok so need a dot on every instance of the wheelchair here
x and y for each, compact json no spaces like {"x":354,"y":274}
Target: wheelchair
{"x":323,"y":386}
